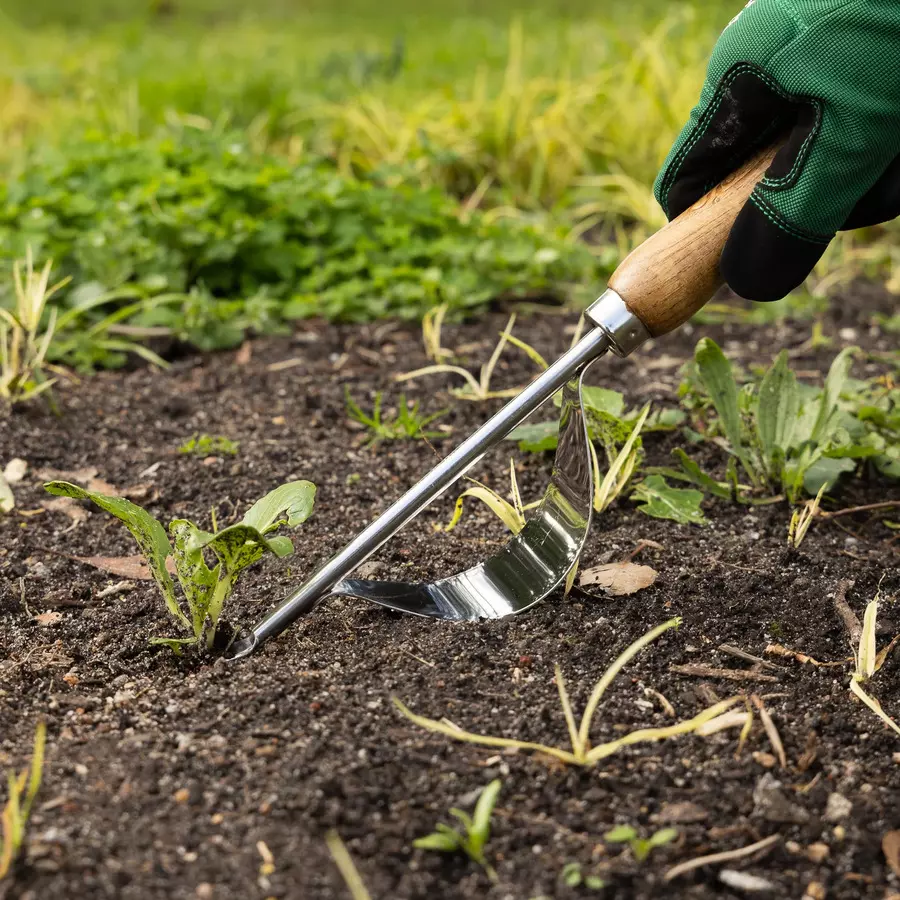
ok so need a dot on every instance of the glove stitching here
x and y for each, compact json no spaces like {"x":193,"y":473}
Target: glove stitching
{"x":785,"y":181}
{"x":703,"y":122}
{"x":779,"y":222}
{"x":788,"y":180}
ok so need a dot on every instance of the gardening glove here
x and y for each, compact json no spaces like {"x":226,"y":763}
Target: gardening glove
{"x":825,"y":74}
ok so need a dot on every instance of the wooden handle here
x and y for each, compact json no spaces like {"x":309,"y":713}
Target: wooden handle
{"x":674,"y":273}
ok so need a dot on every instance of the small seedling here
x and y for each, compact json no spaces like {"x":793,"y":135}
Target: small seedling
{"x":511,"y":514}
{"x":582,"y":753}
{"x":23,"y":345}
{"x":209,"y":445}
{"x":23,"y":789}
{"x":476,"y":388}
{"x":476,"y":830}
{"x":406,"y":424}
{"x":868,"y":662}
{"x":802,"y":518}
{"x":573,"y":876}
{"x":234,"y":548}
{"x":640,"y":847}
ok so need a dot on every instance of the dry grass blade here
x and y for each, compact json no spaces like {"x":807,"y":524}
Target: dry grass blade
{"x":771,"y":730}
{"x":801,"y":519}
{"x":610,"y":674}
{"x":621,"y":469}
{"x":786,"y":652}
{"x":478,"y":389}
{"x":581,"y":753}
{"x":868,"y":662}
{"x":346,"y":866}
{"x":459,"y":734}
{"x":733,"y":719}
{"x":649,"y":735}
{"x":725,"y":856}
{"x":432,"y":323}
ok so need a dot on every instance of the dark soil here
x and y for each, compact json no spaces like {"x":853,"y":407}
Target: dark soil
{"x":165,"y":774}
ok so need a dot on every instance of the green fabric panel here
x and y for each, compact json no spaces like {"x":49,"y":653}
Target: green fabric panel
{"x":845,"y":54}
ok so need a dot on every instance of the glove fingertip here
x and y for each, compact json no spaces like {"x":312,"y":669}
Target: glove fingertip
{"x":764,"y":261}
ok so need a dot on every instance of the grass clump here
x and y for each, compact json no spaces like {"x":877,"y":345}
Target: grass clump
{"x":784,"y":436}
{"x":405,"y":424}
{"x":205,"y":589}
{"x":582,"y":752}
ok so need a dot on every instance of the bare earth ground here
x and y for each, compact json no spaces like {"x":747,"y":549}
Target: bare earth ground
{"x":163,"y":774}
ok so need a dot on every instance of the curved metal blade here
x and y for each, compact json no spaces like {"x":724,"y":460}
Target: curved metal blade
{"x":533,"y":562}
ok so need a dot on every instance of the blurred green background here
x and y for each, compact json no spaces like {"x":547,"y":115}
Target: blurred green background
{"x":223,"y":167}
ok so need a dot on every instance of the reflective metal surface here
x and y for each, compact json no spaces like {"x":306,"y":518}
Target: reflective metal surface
{"x":626,"y":332}
{"x":535,"y":560}
{"x":533,"y":547}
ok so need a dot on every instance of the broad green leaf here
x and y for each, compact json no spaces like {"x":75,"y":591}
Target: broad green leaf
{"x":696,"y":475}
{"x":196,"y":579}
{"x":484,"y":809}
{"x":146,"y":530}
{"x":239,"y":546}
{"x":825,"y":472}
{"x":620,"y":834}
{"x":715,"y":372}
{"x":446,"y":843}
{"x":536,"y":437}
{"x":888,"y":464}
{"x":295,"y":499}
{"x":603,"y":400}
{"x":661,"y":501}
{"x":664,"y":420}
{"x":777,"y":406}
{"x":834,"y":384}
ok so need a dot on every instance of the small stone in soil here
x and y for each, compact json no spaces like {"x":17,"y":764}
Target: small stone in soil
{"x":744,"y":881}
{"x":837,"y":807}
{"x":771,"y":804}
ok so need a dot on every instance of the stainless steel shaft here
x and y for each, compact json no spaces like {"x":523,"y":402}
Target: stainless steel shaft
{"x":590,"y":347}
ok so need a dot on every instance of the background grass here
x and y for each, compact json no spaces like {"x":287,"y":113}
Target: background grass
{"x":553,"y":115}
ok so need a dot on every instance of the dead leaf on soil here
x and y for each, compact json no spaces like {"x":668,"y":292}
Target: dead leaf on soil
{"x":68,"y":507}
{"x":890,"y":844}
{"x":124,"y":566}
{"x":15,"y":470}
{"x":619,"y":579}
{"x":46,"y":619}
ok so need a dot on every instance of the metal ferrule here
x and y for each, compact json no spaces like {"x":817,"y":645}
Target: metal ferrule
{"x":626,"y":332}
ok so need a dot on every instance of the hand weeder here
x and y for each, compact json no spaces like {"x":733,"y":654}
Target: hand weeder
{"x":658,"y":287}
